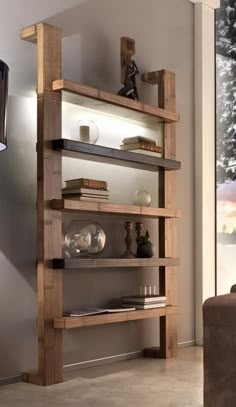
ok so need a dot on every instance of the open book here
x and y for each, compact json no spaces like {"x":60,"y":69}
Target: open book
{"x":94,"y":311}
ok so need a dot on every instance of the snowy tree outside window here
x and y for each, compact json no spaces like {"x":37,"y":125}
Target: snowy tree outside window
{"x":226,"y":144}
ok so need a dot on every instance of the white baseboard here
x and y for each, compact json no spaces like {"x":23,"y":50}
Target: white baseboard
{"x":186,"y":344}
{"x":117,"y":358}
{"x":103,"y":361}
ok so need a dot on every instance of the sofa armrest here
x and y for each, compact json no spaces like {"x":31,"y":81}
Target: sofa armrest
{"x":233,"y":289}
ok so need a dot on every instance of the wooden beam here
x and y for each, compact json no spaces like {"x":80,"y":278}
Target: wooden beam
{"x":168,"y":245}
{"x":32,"y":377}
{"x":50,"y":298}
{"x":153,"y":78}
{"x":85,"y":151}
{"x":127,"y":50}
{"x":50,"y":347}
{"x":81,"y":263}
{"x":115,"y":209}
{"x":29,"y":34}
{"x":167,"y":227}
{"x":111,"y":318}
{"x":115,"y":104}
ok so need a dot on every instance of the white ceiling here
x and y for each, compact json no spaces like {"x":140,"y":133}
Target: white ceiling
{"x":20,"y":55}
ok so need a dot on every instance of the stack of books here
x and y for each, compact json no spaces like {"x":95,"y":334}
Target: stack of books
{"x":145,"y":302}
{"x":142,"y":145}
{"x":83,"y":189}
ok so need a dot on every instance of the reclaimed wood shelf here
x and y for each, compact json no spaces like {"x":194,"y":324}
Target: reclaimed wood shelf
{"x":83,"y":263}
{"x":69,"y":205}
{"x":76,"y":149}
{"x":111,"y":318}
{"x":51,"y":90}
{"x":86,"y":96}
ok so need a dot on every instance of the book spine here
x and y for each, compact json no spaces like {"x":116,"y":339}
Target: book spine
{"x":83,"y":198}
{"x":87,"y":191}
{"x":142,"y":146}
{"x":86,"y":183}
{"x":149,"y":147}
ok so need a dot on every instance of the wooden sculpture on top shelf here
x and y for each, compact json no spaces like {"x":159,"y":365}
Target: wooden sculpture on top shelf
{"x":129,"y":69}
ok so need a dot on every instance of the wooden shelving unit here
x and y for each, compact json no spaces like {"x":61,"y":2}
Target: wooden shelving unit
{"x":101,"y":319}
{"x":68,"y":205}
{"x":96,"y":99}
{"x":84,"y":263}
{"x":76,"y":149}
{"x":50,"y":205}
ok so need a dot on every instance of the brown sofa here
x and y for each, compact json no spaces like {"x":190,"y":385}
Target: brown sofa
{"x":219,"y":316}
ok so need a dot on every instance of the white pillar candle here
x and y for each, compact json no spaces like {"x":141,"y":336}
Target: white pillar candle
{"x":84,"y":134}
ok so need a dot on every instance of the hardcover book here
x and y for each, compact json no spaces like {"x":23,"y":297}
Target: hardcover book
{"x":89,"y":191}
{"x":86,"y":183}
{"x":138,"y":139}
{"x":149,"y":306}
{"x":138,"y":299}
{"x":85,"y":198}
{"x":141,"y":146}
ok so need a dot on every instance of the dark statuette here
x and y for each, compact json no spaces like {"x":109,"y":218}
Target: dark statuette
{"x":144,"y":246}
{"x":129,"y":89}
{"x":128,"y":241}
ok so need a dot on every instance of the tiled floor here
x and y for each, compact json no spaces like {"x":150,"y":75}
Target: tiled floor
{"x":135,"y":383}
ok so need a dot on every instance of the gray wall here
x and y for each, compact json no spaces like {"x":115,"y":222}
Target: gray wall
{"x":163,"y":30}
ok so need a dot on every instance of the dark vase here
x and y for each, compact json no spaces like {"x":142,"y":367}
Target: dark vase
{"x":145,"y":250}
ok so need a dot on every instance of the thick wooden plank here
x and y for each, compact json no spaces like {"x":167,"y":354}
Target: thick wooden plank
{"x":113,"y":209}
{"x":127,"y":50}
{"x":92,"y":320}
{"x":32,"y":377}
{"x":29,"y":34}
{"x":167,"y":227}
{"x":113,"y":156}
{"x":80,"y":263}
{"x":121,"y":105}
{"x":153,"y":78}
{"x":50,"y":298}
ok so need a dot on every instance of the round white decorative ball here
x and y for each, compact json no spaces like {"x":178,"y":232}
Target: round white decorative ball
{"x":142,"y":198}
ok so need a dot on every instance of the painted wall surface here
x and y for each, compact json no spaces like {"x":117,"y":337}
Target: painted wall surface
{"x":163,"y":31}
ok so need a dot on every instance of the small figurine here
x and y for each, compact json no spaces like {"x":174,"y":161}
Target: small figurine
{"x":129,"y":69}
{"x":128,"y":241}
{"x":129,"y":89}
{"x":144,"y":246}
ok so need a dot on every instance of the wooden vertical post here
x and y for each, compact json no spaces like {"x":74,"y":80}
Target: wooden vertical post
{"x":50,"y":296}
{"x":167,"y":227}
{"x":127,"y":50}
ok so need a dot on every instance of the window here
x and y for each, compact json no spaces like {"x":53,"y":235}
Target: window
{"x":226,"y":145}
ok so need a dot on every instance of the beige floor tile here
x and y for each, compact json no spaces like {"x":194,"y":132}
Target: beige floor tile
{"x":135,"y":383}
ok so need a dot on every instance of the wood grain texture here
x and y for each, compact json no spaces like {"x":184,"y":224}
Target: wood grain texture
{"x":113,"y":156}
{"x":153,"y":78}
{"x":81,"y":263}
{"x":29,"y":34}
{"x":32,"y":377}
{"x":105,"y":100}
{"x":113,"y":209}
{"x":50,"y":346}
{"x":127,"y":51}
{"x":92,"y":320}
{"x":167,"y":227}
